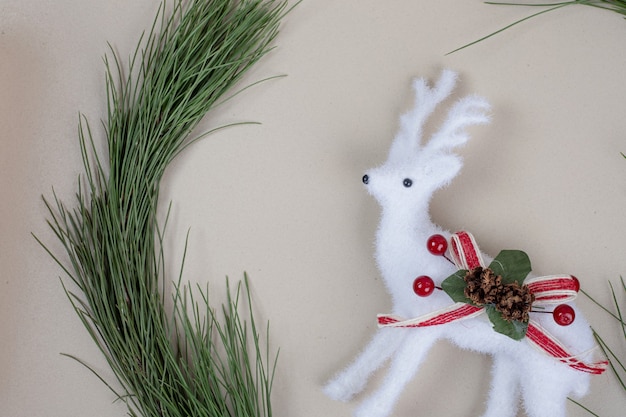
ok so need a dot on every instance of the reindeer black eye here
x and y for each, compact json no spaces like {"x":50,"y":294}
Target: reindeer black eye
{"x":407,"y":182}
{"x":365,"y":179}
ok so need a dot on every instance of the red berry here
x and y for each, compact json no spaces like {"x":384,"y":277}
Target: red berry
{"x":576,"y":283}
{"x":437,"y":245}
{"x":564,"y":315}
{"x":423,"y":286}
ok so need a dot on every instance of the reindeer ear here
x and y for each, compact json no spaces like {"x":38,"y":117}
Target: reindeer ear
{"x":471,"y":110}
{"x":441,"y":169}
{"x":407,"y":141}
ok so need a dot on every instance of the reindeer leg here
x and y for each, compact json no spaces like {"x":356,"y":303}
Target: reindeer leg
{"x":504,"y":392}
{"x":545,"y":390}
{"x":352,"y":380}
{"x":403,"y":367}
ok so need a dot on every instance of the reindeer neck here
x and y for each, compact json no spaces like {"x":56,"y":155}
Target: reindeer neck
{"x":402,"y":255}
{"x":407,"y":220}
{"x":403,"y":232}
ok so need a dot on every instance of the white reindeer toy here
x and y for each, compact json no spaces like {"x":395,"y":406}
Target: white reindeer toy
{"x":493,"y":309}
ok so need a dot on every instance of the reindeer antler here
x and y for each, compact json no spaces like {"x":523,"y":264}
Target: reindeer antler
{"x":426,"y":100}
{"x":471,"y":110}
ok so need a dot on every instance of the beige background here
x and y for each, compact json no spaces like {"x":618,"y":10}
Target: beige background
{"x":283,"y":200}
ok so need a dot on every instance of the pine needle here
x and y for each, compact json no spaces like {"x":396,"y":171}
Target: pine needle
{"x":617,"y":6}
{"x":617,"y":363}
{"x":191,"y":363}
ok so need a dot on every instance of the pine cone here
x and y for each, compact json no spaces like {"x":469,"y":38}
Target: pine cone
{"x":514,"y":302}
{"x":482,"y":286}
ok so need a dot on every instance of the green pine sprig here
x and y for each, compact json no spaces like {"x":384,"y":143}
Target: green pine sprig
{"x":617,"y":6}
{"x":617,"y":362}
{"x":192,"y":361}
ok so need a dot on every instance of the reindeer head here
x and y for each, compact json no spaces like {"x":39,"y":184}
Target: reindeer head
{"x":414,"y":170}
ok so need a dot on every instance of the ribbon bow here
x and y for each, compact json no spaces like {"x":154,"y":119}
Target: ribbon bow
{"x":550,"y":289}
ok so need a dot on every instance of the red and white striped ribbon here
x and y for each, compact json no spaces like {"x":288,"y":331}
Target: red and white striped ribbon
{"x":552,"y":289}
{"x":455,"y":312}
{"x":465,"y":252}
{"x":549,"y":289}
{"x":540,"y":338}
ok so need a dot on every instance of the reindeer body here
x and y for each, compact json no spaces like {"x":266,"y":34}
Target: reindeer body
{"x":403,"y":186}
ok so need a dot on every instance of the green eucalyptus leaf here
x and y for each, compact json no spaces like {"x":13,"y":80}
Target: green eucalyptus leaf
{"x":512,"y":265}
{"x":514,"y":329}
{"x":454,"y":286}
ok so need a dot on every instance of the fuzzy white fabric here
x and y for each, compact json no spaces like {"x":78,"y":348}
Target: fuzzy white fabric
{"x":519,"y":370}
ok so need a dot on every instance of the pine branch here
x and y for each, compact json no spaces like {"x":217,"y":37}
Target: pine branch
{"x":192,"y":56}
